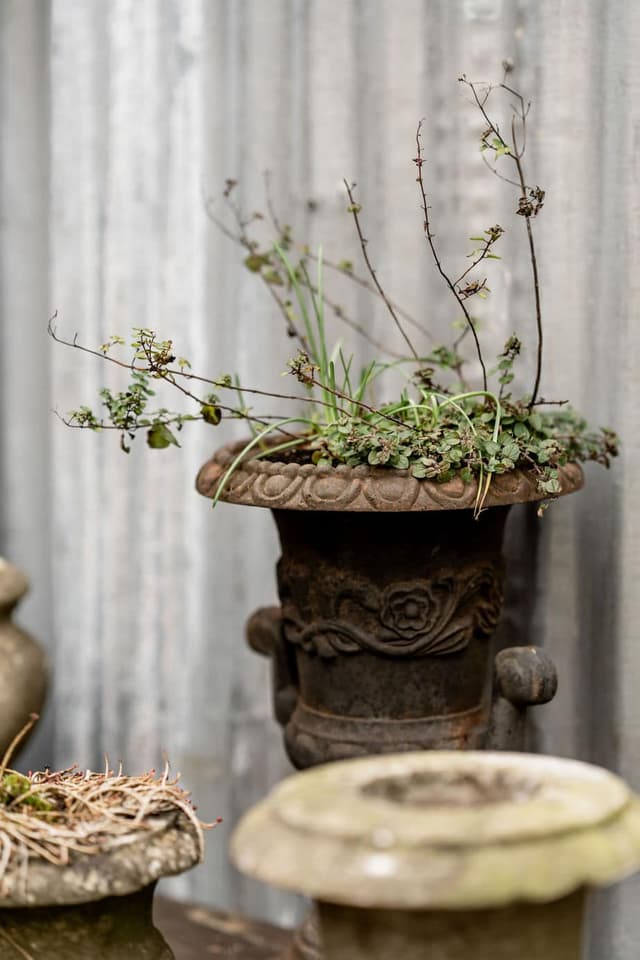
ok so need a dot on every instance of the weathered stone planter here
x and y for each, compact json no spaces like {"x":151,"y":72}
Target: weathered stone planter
{"x":23,"y":671}
{"x":390,"y":593}
{"x":450,"y":856}
{"x":97,"y":907}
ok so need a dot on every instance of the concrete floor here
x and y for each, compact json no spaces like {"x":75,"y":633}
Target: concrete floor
{"x":196,"y":933}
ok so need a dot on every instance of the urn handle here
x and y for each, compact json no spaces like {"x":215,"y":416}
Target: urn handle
{"x":265,"y":635}
{"x":524,"y":677}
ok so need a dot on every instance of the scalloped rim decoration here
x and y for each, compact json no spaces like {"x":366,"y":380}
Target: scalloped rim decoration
{"x":362,"y":489}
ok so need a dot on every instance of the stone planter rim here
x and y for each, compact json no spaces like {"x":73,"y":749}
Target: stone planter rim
{"x":322,"y":833}
{"x":362,"y":489}
{"x":168,"y":844}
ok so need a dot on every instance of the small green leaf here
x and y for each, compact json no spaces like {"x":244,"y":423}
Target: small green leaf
{"x":159,"y":436}
{"x":255,"y":262}
{"x":500,"y":147}
{"x":550,"y":486}
{"x":14,"y":785}
{"x":211,"y":414}
{"x":536,"y":422}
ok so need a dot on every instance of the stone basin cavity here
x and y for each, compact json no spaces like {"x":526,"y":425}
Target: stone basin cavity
{"x":459,"y":788}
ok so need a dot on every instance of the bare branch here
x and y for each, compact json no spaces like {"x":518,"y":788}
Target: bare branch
{"x":515,"y":152}
{"x":430,"y":240}
{"x":172,"y":375}
{"x":496,"y":173}
{"x":494,"y":234}
{"x":366,"y":285}
{"x":354,"y":209}
{"x":339,"y":268}
{"x":242,"y":239}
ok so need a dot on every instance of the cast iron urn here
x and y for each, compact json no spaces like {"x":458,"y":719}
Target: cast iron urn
{"x":390,"y":591}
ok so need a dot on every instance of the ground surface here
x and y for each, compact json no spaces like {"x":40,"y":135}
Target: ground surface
{"x":197,"y":933}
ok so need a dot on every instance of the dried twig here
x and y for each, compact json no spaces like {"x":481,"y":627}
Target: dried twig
{"x":282,"y":229}
{"x":515,"y":151}
{"x":419,"y":162}
{"x":354,"y":209}
{"x":171,"y":374}
{"x":242,"y":238}
{"x":52,"y":816}
{"x":49,"y":816}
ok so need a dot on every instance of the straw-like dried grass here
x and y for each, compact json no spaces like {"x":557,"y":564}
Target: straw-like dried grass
{"x":54,"y":816}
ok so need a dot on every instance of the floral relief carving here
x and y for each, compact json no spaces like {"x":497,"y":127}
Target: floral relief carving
{"x":407,"y":618}
{"x":410,"y":609}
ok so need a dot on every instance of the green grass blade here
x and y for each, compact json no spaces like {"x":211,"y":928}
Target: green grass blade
{"x":297,"y":289}
{"x":249,"y":446}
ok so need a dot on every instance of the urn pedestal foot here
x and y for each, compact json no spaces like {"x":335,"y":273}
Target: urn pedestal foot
{"x":306,"y":943}
{"x":117,"y":928}
{"x":89,"y":894}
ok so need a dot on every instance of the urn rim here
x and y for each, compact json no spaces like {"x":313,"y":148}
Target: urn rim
{"x":362,"y":489}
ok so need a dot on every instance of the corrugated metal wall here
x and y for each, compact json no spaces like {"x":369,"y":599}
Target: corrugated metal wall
{"x":117,"y":119}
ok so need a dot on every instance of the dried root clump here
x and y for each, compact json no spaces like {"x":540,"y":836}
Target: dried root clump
{"x":54,"y":816}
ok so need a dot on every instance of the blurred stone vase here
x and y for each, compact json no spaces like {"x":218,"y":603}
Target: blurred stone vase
{"x":23,"y":669}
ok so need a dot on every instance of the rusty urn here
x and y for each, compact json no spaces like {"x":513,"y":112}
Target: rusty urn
{"x":390,"y":592}
{"x":445,"y":855}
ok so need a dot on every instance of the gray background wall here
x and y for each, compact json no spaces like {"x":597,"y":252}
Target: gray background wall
{"x":117,"y":119}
